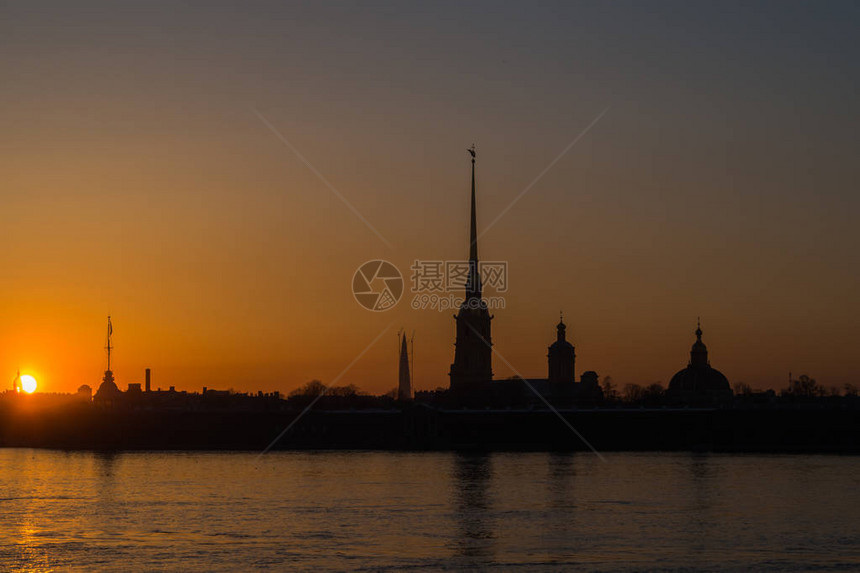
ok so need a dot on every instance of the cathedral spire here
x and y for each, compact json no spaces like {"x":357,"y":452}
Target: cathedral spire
{"x":473,"y":236}
{"x":473,"y":285}
{"x":473,"y":349}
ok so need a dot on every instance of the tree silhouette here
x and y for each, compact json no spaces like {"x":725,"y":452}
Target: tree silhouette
{"x":806,"y":387}
{"x":633,"y":393}
{"x":610,"y":392}
{"x":313,"y":388}
{"x":743,"y":389}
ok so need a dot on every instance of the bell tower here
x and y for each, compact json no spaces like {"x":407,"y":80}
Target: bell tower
{"x":561,"y":357}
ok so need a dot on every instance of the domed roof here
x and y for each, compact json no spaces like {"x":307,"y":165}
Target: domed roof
{"x":561,"y":344}
{"x":698,"y":382}
{"x":108,"y":389}
{"x":561,"y":337}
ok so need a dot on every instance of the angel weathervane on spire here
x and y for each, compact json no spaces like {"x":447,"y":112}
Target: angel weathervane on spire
{"x":472,"y":152}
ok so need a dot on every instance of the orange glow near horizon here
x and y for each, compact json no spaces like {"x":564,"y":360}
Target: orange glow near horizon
{"x":138,"y":180}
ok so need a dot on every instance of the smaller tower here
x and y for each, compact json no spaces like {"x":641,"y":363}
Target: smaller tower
{"x":404,"y":387}
{"x":148,"y":380}
{"x":561,"y":357}
{"x":699,"y":352}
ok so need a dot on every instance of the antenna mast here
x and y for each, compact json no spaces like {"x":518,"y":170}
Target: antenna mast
{"x":109,"y":346}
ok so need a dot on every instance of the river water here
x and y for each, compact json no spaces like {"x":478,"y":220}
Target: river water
{"x":427,"y":511}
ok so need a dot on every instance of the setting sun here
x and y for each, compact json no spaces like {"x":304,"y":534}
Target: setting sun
{"x":28,"y":384}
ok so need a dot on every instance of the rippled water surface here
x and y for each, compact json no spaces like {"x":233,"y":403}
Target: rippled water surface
{"x":396,"y":511}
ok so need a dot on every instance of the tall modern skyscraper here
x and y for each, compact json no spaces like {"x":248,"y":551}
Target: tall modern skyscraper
{"x":404,"y":380}
{"x":473,"y":351}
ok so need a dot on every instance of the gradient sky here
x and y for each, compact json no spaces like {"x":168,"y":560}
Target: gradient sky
{"x":137,"y":179}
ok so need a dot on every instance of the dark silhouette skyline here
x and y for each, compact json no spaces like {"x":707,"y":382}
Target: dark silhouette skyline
{"x":471,"y":378}
{"x":140,"y":181}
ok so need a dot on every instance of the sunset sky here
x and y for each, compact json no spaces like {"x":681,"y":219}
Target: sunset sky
{"x":138,"y":178}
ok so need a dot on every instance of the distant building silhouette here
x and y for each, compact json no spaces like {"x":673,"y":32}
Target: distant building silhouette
{"x":589,"y":386}
{"x":108,"y":393}
{"x":698,"y":383}
{"x":560,"y":387}
{"x":471,"y":373}
{"x":404,"y":382}
{"x":561,"y":358}
{"x":473,"y":353}
{"x":85,"y":393}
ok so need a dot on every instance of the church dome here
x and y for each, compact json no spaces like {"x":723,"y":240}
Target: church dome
{"x":699,"y":382}
{"x":560,"y":344}
{"x":108,"y":389}
{"x":561,"y":337}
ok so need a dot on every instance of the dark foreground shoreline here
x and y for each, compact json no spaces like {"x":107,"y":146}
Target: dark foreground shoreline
{"x":421,"y":427}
